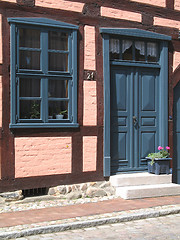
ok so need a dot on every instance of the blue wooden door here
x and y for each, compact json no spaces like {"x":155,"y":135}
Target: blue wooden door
{"x":176,"y":135}
{"x":134,"y":117}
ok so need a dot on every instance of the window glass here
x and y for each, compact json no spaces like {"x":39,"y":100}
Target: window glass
{"x":30,"y":109}
{"x":58,"y":61}
{"x":152,"y":52}
{"x":127,"y":53}
{"x":58,"y":110}
{"x":57,"y":88}
{"x":29,"y":87}
{"x":140,"y":51}
{"x":58,"y":40}
{"x":29,"y":38}
{"x":133,"y":50}
{"x":114,"y":48}
{"x":29,"y":60}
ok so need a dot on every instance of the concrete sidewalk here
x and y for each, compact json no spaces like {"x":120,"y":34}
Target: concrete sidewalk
{"x":60,"y":218}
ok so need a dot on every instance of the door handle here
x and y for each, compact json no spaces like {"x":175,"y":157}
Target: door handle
{"x":134,"y":120}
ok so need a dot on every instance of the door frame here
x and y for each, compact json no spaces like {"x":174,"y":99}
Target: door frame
{"x":163,"y":84}
{"x":176,"y":159}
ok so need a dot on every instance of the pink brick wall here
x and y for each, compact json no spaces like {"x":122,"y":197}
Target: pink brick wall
{"x":120,"y":14}
{"x":176,"y":60}
{"x":160,"y":3}
{"x":89,"y":153}
{"x":39,"y":156}
{"x":61,"y":4}
{"x":166,"y":22}
{"x":90,"y":104}
{"x":89,"y":48}
{"x":0,"y":38}
{"x":177,"y":5}
{"x":12,"y":1}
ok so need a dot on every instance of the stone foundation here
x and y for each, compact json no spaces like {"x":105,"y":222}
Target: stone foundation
{"x":69,"y":192}
{"x":90,"y":189}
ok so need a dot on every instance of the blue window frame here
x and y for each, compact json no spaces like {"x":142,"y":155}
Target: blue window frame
{"x":43,"y":73}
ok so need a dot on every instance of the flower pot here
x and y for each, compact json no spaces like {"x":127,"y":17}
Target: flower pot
{"x":160,"y":166}
{"x":59,"y":116}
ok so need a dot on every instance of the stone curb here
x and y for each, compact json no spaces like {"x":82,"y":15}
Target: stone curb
{"x":125,"y":217}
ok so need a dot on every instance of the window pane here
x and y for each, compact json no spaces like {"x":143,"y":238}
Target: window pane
{"x":139,"y":51}
{"x":114,"y":48}
{"x":127,"y":50}
{"x":57,"y":108}
{"x":29,"y":109}
{"x":58,"y":62}
{"x":58,"y":40}
{"x":152,"y":52}
{"x":29,"y":60}
{"x":57,"y":88}
{"x":29,"y":87}
{"x":29,"y":38}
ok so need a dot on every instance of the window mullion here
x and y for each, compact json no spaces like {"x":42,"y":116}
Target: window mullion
{"x":44,"y":101}
{"x":44,"y":52}
{"x":44,"y":81}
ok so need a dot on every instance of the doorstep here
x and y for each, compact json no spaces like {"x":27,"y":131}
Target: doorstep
{"x":143,"y":185}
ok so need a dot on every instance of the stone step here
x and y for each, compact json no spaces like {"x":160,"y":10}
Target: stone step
{"x":145,"y":191}
{"x":143,"y":178}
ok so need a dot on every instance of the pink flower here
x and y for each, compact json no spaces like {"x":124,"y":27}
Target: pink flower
{"x":168,"y":148}
{"x":160,"y":148}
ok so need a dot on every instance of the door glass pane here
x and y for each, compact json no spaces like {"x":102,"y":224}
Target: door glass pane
{"x":139,"y":51}
{"x":29,"y":109}
{"x":114,"y":48}
{"x":127,"y":53}
{"x":58,"y":40}
{"x":58,"y":61}
{"x":29,"y":60}
{"x":57,"y":88}
{"x":58,"y":109}
{"x":29,"y":87}
{"x":29,"y":38}
{"x":152,"y":52}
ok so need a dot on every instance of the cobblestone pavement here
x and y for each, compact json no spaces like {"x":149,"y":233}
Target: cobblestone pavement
{"x":43,"y":215}
{"x":18,"y":224}
{"x":160,"y":228}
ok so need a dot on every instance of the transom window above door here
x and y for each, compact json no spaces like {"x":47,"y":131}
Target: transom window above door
{"x":133,"y":50}
{"x":43,"y":73}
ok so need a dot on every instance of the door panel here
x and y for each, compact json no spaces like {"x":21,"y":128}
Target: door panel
{"x":120,"y":127}
{"x":148,"y":113}
{"x":147,"y":92}
{"x":147,"y":139}
{"x":134,"y":117}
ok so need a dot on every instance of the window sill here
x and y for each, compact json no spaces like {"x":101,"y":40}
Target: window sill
{"x":44,"y":125}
